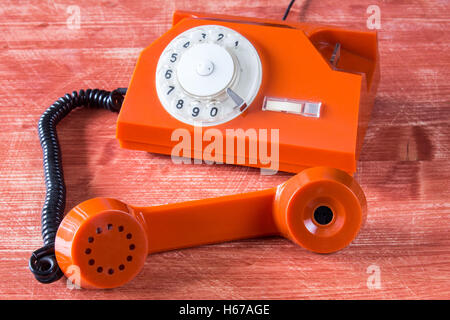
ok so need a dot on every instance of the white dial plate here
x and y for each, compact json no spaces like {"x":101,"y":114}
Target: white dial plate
{"x":205,"y":72}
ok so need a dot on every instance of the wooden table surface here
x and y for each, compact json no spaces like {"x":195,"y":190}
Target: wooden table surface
{"x":404,"y":166}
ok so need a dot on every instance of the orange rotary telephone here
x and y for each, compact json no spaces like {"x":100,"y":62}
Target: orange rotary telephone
{"x":312,"y":85}
{"x":315,"y":84}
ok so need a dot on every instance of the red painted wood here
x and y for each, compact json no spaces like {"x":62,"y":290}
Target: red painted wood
{"x":404,"y":167}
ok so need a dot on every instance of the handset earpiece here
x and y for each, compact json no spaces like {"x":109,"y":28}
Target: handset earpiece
{"x":320,"y":209}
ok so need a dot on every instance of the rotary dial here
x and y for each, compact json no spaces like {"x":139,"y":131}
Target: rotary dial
{"x":208,"y":75}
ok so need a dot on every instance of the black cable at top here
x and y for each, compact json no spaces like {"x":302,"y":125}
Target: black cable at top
{"x":288,"y":9}
{"x":43,"y":262}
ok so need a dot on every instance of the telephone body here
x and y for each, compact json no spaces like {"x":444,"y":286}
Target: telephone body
{"x":315,"y":84}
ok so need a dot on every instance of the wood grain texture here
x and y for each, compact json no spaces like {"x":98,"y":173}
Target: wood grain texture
{"x":404,"y":167}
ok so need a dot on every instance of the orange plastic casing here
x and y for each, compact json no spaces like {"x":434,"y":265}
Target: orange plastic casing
{"x":295,"y":65}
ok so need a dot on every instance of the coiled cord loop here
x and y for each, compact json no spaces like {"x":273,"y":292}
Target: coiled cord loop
{"x":43,"y":262}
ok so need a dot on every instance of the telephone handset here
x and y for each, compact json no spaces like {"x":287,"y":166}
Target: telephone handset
{"x":320,"y":209}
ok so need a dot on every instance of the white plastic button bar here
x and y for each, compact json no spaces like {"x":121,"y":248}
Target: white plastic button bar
{"x":301,"y":107}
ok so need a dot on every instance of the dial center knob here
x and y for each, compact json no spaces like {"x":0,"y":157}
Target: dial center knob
{"x":205,"y":70}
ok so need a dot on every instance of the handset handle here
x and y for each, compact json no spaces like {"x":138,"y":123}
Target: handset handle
{"x":199,"y":222}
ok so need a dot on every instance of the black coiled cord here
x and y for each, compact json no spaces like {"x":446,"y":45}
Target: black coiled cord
{"x":43,"y":262}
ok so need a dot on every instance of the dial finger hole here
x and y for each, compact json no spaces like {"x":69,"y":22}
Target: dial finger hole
{"x":172,"y":57}
{"x":213,"y":110}
{"x":170,"y":89}
{"x":195,"y":110}
{"x":182,"y":43}
{"x":180,"y":104}
{"x":199,"y":36}
{"x":232,"y":42}
{"x":218,"y":35}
